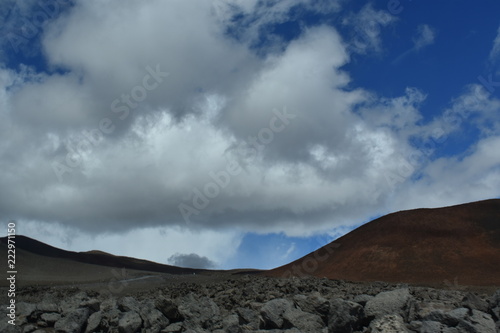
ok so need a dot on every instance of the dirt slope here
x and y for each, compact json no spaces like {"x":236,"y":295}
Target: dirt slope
{"x":457,"y":244}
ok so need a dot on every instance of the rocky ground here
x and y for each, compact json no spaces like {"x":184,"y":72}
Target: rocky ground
{"x":256,"y":304}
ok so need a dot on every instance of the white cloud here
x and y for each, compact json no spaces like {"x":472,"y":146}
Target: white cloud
{"x":425,"y":36}
{"x":495,"y":51}
{"x":454,"y":180}
{"x":475,"y":107}
{"x":289,"y":251}
{"x":255,"y":17}
{"x":367,"y":27}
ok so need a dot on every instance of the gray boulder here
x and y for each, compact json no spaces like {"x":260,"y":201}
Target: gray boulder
{"x":93,"y":322}
{"x":71,"y":303}
{"x":362,"y":299}
{"x":494,"y":305}
{"x":272,"y":313}
{"x":47,"y":306}
{"x":345,"y":316}
{"x":231,"y":324}
{"x":23,"y":312}
{"x":72,"y":322}
{"x":127,"y":304}
{"x":389,"y":324}
{"x":29,"y":328}
{"x":169,"y":309}
{"x":93,"y":304}
{"x":425,"y":308}
{"x":305,"y":322}
{"x":8,"y":328}
{"x":314,"y":303}
{"x":248,"y":318}
{"x":431,"y":327}
{"x":129,"y":322}
{"x":472,"y":301}
{"x":50,"y":318}
{"x":387,"y":302}
{"x":199,"y":312}
{"x":466,"y":320}
{"x":173,"y":328}
{"x":108,"y":305}
{"x":153,"y":319}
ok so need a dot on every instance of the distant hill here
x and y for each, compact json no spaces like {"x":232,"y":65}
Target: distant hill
{"x":457,"y":244}
{"x":40,"y":263}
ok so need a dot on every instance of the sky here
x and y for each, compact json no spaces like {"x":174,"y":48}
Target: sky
{"x":241,"y":133}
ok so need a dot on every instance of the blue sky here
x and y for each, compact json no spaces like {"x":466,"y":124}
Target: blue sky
{"x":248,"y":133}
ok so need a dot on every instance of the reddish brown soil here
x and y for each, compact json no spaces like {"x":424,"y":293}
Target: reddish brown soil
{"x":458,"y":244}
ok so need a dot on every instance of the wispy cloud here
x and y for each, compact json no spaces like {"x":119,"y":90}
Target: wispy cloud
{"x":288,"y":252}
{"x":425,"y":37}
{"x":367,"y":27}
{"x":495,"y":51}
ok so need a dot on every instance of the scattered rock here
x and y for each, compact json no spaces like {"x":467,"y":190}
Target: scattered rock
{"x":272,"y":313}
{"x":93,"y":304}
{"x":389,"y":324}
{"x":305,"y":322}
{"x":387,"y":302}
{"x":72,"y":322}
{"x":425,"y":308}
{"x":248,"y":318}
{"x":130,"y":322}
{"x":70,"y":304}
{"x":199,"y":312}
{"x":153,"y":319}
{"x":50,"y":318}
{"x":231,"y":324}
{"x":431,"y":327}
{"x":29,"y":328}
{"x":169,"y":309}
{"x":257,"y":304}
{"x":126,"y":304}
{"x":23,"y":311}
{"x":172,"y":328}
{"x":362,"y":299}
{"x":472,"y":301}
{"x":471,"y":321}
{"x":314,"y":303}
{"x":345,"y":316}
{"x":93,"y":322}
{"x":47,"y":306}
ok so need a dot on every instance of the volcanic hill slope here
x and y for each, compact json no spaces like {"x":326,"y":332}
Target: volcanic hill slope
{"x":457,"y":244}
{"x":40,"y":263}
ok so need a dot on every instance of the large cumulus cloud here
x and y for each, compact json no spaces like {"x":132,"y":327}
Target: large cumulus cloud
{"x":226,"y":136}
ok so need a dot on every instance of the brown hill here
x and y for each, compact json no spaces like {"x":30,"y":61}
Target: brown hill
{"x":457,"y":244}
